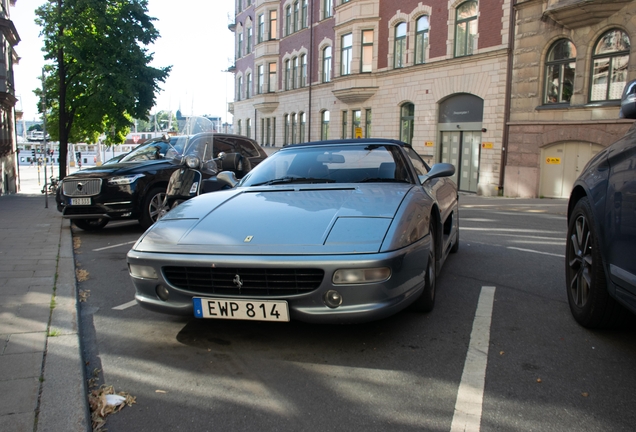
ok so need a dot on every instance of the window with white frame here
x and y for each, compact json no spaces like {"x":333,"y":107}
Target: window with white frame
{"x":288,"y":78}
{"x":271,"y":80}
{"x":261,"y":79}
{"x":366,"y":58}
{"x":326,"y":64}
{"x":261,"y":28}
{"x":324,"y":125}
{"x":295,"y":72}
{"x":346,"y":54}
{"x":239,"y":88}
{"x":273,"y":23}
{"x":288,"y":20}
{"x":327,"y":10}
{"x":303,"y":70}
{"x":248,"y":86}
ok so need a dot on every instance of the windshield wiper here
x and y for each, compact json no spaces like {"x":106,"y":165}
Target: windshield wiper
{"x":290,"y":179}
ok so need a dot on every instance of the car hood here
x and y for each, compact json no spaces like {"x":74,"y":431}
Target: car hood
{"x":312,"y":219}
{"x":115,"y":169}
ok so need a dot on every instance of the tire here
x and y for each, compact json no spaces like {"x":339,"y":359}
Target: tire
{"x":590,"y":302}
{"x":90,"y":224}
{"x":426,"y":301}
{"x":152,"y":205}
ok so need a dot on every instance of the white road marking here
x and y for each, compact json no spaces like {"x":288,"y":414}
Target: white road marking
{"x":126,"y":305}
{"x":114,"y":246}
{"x":537,"y":252}
{"x":470,"y":396}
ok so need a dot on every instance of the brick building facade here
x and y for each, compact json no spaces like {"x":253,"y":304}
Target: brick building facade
{"x":8,"y":157}
{"x":432,"y":73}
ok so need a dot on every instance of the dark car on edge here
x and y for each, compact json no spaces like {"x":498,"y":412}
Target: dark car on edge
{"x":135,"y":186}
{"x":601,"y":241}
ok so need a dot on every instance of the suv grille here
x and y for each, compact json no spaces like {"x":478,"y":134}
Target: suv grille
{"x":255,"y":281}
{"x":82,"y":188}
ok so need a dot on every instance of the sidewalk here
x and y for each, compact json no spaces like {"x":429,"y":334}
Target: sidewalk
{"x":42,"y":387}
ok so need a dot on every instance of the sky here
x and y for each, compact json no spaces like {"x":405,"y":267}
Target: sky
{"x":194,"y":40}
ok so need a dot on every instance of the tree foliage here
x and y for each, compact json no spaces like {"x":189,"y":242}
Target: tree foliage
{"x":99,"y":77}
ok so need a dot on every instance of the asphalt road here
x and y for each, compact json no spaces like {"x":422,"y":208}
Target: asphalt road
{"x":500,"y":351}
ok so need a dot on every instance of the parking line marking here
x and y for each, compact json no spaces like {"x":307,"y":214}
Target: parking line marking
{"x":537,"y":252}
{"x":126,"y":305}
{"x":114,"y":246}
{"x":470,"y":395}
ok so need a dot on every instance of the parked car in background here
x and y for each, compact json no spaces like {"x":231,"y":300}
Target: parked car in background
{"x":133,"y":187}
{"x":601,"y":242}
{"x":328,"y":232}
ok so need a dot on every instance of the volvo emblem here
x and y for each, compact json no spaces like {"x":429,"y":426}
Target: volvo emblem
{"x":80,"y":186}
{"x":237,"y":281}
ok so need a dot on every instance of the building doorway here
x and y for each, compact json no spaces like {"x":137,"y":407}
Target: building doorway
{"x":462,"y":149}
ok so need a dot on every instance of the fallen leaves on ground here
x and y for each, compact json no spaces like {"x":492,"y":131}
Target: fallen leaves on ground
{"x":83,"y":295}
{"x":77,"y":242}
{"x":82,"y":275}
{"x":100,"y":408}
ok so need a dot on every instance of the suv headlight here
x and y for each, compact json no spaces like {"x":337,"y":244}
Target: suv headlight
{"x":127,"y":179}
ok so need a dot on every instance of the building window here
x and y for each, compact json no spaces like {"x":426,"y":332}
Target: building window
{"x":239,"y":128}
{"x":295,"y":72}
{"x":399,"y":52}
{"x":261,"y":79}
{"x":240,"y":5}
{"x":288,"y":19}
{"x":294,"y":128}
{"x":324,"y":125}
{"x":248,"y":48}
{"x":296,"y":17}
{"x":273,"y":30}
{"x":239,"y":46}
{"x":271,"y":81}
{"x":559,"y":72}
{"x":286,"y":131}
{"x":261,"y":28}
{"x":248,"y":86}
{"x":239,"y":88}
{"x":421,"y":39}
{"x":326,"y":64}
{"x":609,"y":69}
{"x":465,"y":28}
{"x":287,"y":74}
{"x":273,"y":131}
{"x":367,"y":51}
{"x":303,"y":70}
{"x":301,"y":128}
{"x":345,"y":57}
{"x":407,"y":116}
{"x":344,"y":125}
{"x":327,"y":10}
{"x":367,"y":129}
{"x":303,"y":15}
{"x":356,"y":121}
{"x":248,"y":127}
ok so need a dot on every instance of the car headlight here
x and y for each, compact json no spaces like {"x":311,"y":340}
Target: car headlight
{"x":192,"y":161}
{"x":142,"y":272}
{"x":127,"y":179}
{"x":361,"y":276}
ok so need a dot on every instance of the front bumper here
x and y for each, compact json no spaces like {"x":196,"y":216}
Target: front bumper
{"x":361,"y":302}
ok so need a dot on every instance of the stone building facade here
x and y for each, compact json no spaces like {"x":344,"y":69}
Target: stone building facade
{"x":8,"y":156}
{"x":572,"y":59}
{"x":429,"y":72}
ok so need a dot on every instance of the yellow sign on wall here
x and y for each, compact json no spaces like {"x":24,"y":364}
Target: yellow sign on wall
{"x":486,"y":145}
{"x":428,"y":144}
{"x":553,"y":161}
{"x":358,"y":132}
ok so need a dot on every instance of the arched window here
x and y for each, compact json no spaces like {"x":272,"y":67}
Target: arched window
{"x":239,"y":88}
{"x":399,"y":50}
{"x":559,"y":72}
{"x":609,"y":68}
{"x":303,"y":70}
{"x":248,"y":86}
{"x":301,"y":128}
{"x":326,"y":64}
{"x":465,"y":28}
{"x":421,"y":39}
{"x":324,"y":125}
{"x":407,"y":117}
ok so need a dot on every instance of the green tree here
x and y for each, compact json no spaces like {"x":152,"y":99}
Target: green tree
{"x":99,"y":77}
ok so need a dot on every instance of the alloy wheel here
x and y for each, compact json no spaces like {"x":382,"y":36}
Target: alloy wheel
{"x":580,"y":261}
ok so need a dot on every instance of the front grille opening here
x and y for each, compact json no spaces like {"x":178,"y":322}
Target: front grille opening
{"x":255,"y":281}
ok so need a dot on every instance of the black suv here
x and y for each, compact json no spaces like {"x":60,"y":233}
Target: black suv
{"x":132,"y":188}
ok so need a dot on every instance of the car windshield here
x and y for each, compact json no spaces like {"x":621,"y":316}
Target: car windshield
{"x":152,"y":150}
{"x":344,"y":163}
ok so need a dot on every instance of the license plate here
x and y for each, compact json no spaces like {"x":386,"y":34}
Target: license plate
{"x":251,"y":310}
{"x":80,"y":201}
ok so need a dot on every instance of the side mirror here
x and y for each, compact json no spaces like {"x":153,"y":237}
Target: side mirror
{"x":628,"y":101}
{"x":221,"y":155}
{"x":227,"y":177}
{"x":439,"y":170}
